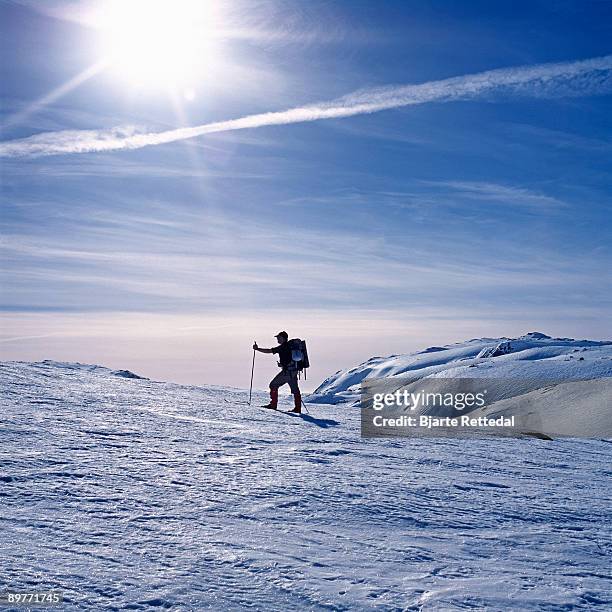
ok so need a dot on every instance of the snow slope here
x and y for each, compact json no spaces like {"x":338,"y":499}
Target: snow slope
{"x":532,"y":357}
{"x":577,"y":408}
{"x":127,"y":493}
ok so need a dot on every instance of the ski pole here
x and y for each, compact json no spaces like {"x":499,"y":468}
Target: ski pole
{"x":252,"y":371}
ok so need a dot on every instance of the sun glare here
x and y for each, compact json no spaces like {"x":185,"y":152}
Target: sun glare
{"x":159,"y":43}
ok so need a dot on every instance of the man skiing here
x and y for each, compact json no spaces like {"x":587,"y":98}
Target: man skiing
{"x":287,"y":375}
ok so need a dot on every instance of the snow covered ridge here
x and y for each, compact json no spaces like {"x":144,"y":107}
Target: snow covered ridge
{"x":77,"y":367}
{"x":534,"y":355}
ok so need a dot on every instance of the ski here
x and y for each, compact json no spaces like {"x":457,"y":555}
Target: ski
{"x":279,"y":410}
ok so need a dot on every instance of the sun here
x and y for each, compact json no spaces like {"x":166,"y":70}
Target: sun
{"x":159,"y":43}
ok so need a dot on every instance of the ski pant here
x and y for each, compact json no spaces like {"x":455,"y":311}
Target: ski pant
{"x":286,"y":377}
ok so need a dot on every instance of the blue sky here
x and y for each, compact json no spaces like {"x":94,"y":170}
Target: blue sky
{"x":461,"y":215}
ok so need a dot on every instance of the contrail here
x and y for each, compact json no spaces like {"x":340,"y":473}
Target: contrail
{"x":563,"y":79}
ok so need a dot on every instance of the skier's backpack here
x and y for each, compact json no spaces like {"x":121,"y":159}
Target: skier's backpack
{"x":299,"y":354}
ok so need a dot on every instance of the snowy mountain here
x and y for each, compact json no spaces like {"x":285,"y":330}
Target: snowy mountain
{"x":127,"y":493}
{"x":532,"y":357}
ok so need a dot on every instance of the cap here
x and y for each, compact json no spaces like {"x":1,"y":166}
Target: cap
{"x":282,"y":333}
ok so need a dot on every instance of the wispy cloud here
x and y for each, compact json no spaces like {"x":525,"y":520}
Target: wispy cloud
{"x":330,"y":266}
{"x":435,"y":195}
{"x":124,"y":168}
{"x":570,"y":78}
{"x":559,"y":139}
{"x":502,"y":194}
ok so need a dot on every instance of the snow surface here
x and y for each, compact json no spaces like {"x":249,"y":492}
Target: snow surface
{"x":580,"y":408}
{"x":128,"y":493}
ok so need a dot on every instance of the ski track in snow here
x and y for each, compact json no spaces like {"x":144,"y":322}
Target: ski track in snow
{"x":135,"y":494}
